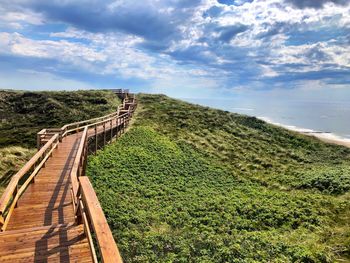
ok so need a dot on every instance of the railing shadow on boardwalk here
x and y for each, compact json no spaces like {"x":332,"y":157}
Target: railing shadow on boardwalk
{"x":42,"y":244}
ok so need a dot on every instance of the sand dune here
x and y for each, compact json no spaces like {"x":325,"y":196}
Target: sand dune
{"x":324,"y":136}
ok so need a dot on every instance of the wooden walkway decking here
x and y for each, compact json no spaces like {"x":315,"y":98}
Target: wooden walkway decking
{"x":44,"y":226}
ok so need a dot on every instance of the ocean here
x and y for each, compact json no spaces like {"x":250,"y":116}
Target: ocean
{"x":331,"y":118}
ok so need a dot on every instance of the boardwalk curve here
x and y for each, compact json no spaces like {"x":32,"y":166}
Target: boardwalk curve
{"x":49,"y":212}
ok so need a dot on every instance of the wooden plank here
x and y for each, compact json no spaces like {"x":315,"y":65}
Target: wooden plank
{"x":60,"y":243}
{"x":12,"y":186}
{"x":72,"y":253}
{"x":74,"y":172}
{"x":27,"y":232}
{"x":41,"y":215}
{"x":24,"y":187}
{"x":105,"y":240}
{"x":48,"y":201}
{"x":87,"y":231}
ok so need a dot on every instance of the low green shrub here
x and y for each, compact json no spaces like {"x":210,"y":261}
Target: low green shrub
{"x":170,"y":195}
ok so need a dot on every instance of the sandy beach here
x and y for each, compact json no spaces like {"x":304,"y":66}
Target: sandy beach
{"x":324,"y":136}
{"x":329,"y":138}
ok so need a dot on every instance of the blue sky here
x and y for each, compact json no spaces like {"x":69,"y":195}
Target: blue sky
{"x":196,"y":48}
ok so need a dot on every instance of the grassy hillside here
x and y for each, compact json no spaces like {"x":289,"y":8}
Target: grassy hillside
{"x":23,"y":114}
{"x":192,"y":184}
{"x":12,"y":159}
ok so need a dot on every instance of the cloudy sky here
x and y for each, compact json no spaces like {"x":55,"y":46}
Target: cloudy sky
{"x":182,"y":48}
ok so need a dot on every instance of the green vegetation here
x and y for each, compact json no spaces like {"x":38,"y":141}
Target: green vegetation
{"x":23,"y":114}
{"x":192,"y":184}
{"x":11,"y":160}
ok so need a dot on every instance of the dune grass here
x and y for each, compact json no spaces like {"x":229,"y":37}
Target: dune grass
{"x":24,"y":113}
{"x":192,"y":184}
{"x":12,"y":159}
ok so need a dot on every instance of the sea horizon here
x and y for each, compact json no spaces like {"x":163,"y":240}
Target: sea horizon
{"x":326,"y":119}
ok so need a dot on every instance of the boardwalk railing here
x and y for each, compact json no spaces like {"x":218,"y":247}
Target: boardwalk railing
{"x":88,"y":209}
{"x":128,"y":105}
{"x":86,"y":205}
{"x":21,"y":180}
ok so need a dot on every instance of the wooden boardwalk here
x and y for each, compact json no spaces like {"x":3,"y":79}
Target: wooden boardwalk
{"x":53,"y":219}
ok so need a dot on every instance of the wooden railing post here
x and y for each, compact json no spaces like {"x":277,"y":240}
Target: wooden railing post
{"x":129,"y":116}
{"x":104,"y":133}
{"x":60,"y":135}
{"x":111,"y":127}
{"x":34,"y":167}
{"x":123,"y":124}
{"x":119,"y":128}
{"x":78,"y":212}
{"x":38,"y":141}
{"x":95,"y":138}
{"x":51,"y":146}
{"x":14,"y":194}
{"x":2,"y":222}
{"x":44,"y":164}
{"x":85,"y":157}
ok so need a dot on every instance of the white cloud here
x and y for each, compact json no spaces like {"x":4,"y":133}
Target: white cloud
{"x":192,"y":48}
{"x":17,"y":19}
{"x":63,"y":50}
{"x":35,"y":80}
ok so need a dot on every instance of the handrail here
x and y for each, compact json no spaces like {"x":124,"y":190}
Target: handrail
{"x":117,"y":91}
{"x":85,"y":202}
{"x":63,"y":131}
{"x":67,"y":128}
{"x":12,"y":191}
{"x":82,"y":153}
{"x":107,"y":120}
{"x":76,"y":172}
{"x":86,"y":205}
{"x":87,"y":121}
{"x":93,"y":124}
{"x":105,"y":240}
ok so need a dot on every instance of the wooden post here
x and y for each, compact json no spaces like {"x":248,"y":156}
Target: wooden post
{"x":104,"y":134}
{"x":127,"y":123}
{"x":34,"y":167}
{"x":118,"y":127}
{"x":111,"y":126}
{"x":121,"y":125}
{"x":14,"y":194}
{"x":2,"y":222}
{"x":38,"y":141}
{"x":95,"y":138}
{"x":60,"y":136}
{"x":51,"y":146}
{"x":85,"y":157}
{"x":115,"y":133}
{"x":44,"y":162}
{"x":79,"y":208}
